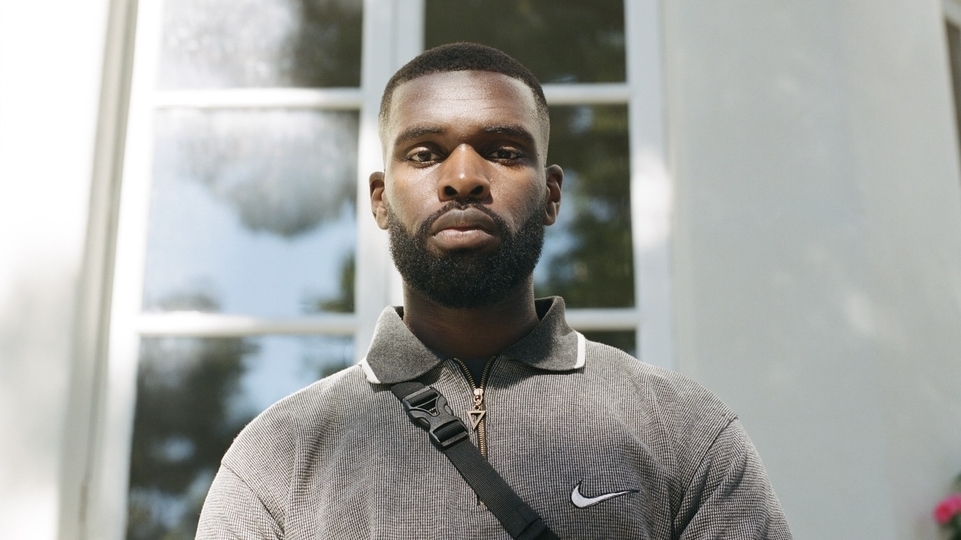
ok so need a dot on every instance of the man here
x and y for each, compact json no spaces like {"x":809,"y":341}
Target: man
{"x":597,"y":443}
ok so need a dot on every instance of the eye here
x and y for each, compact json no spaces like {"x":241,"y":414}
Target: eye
{"x":422,"y":155}
{"x":507,"y":153}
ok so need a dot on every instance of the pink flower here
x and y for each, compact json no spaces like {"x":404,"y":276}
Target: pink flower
{"x":949,"y":507}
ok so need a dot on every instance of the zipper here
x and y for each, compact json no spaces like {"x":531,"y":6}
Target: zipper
{"x":478,"y":413}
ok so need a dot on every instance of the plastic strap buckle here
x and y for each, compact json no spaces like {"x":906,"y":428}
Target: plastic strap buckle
{"x":429,"y":409}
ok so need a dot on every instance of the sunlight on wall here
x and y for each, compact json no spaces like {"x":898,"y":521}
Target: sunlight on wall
{"x":654,"y":194}
{"x":49,"y":87}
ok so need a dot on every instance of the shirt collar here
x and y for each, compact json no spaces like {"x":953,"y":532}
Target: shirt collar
{"x":396,"y":355}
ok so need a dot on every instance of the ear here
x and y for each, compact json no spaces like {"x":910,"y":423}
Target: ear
{"x":554,"y":176}
{"x":378,"y":206}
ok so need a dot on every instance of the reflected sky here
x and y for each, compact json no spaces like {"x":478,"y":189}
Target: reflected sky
{"x":258,"y":274}
{"x":284,"y":365}
{"x":252,"y":212}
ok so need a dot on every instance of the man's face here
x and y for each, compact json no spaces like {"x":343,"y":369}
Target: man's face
{"x":465,"y":194}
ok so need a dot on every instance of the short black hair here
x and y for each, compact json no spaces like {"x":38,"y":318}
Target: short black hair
{"x":464,"y":56}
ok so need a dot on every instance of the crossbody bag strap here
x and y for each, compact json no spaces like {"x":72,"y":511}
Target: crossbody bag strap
{"x":428,"y":408}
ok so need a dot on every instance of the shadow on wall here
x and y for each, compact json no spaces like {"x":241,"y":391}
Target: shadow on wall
{"x":36,"y":317}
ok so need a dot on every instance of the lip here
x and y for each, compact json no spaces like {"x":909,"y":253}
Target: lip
{"x":467,"y":219}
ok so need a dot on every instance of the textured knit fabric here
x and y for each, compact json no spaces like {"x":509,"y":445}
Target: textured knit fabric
{"x":340,"y":458}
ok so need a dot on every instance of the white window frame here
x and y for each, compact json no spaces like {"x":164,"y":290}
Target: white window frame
{"x":392,"y":34}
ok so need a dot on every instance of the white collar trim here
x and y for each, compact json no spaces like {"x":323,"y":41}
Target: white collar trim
{"x":371,"y":377}
{"x":581,"y":350}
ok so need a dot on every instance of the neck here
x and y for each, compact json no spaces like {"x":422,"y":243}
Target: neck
{"x":471,"y":334}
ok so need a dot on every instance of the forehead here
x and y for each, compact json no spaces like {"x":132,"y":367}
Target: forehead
{"x":460,"y":100}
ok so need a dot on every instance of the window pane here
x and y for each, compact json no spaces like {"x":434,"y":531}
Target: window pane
{"x":587,"y":255}
{"x":266,"y":43}
{"x":624,"y":340}
{"x":193,"y":397}
{"x":558,"y":40}
{"x":252,"y":212}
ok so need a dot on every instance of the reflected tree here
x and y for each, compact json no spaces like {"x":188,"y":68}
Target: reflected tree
{"x":193,"y":396}
{"x":625,"y":340}
{"x":260,"y":43}
{"x":594,"y":268}
{"x":588,"y":255}
{"x":183,"y":425}
{"x":283,"y":172}
{"x":558,"y":40}
{"x":326,"y":47}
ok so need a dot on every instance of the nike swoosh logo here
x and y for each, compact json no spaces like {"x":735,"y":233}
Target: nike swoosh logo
{"x":581,"y":501}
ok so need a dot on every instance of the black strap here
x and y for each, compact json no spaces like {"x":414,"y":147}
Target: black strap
{"x":428,"y":408}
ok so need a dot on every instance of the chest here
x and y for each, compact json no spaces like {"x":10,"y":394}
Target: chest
{"x":585,"y":465}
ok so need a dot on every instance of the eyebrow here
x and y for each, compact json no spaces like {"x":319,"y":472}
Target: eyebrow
{"x":514,"y":131}
{"x":416,"y":132}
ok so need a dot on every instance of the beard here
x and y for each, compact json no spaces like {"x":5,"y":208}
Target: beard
{"x":467,"y":278}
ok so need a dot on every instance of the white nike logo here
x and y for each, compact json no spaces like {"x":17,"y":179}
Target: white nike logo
{"x":581,"y":501}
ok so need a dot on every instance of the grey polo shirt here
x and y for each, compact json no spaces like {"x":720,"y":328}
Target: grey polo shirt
{"x":599,"y":444}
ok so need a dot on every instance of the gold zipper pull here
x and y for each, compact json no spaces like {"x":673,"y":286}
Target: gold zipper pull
{"x":477,"y":415}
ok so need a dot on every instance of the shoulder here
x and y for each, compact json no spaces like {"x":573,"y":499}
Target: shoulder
{"x":669,"y":390}
{"x":284,"y":423}
{"x":265,"y":452}
{"x":675,"y":414}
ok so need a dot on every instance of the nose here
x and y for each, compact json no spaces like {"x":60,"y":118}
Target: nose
{"x":464,"y":176}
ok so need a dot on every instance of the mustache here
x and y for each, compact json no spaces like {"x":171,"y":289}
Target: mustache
{"x":424,"y":229}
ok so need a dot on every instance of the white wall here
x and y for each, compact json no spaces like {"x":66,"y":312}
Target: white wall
{"x":818,"y":248}
{"x":50,"y":78}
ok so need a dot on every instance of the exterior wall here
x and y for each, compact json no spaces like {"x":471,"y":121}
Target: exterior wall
{"x":50,"y":81}
{"x":818,"y":248}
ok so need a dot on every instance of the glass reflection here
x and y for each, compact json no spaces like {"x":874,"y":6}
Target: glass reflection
{"x":260,"y":43}
{"x":587,"y":255}
{"x":954,"y":56}
{"x":560,"y":41}
{"x":253,"y":211}
{"x":193,"y":397}
{"x":625,"y":340}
